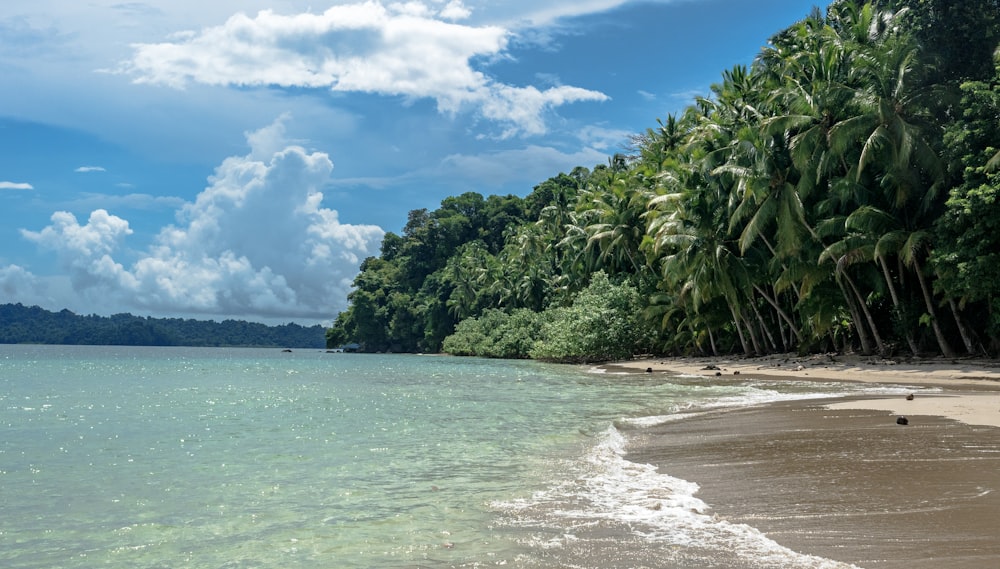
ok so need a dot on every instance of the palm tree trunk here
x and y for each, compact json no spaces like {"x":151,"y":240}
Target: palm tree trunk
{"x":786,"y":331}
{"x":711,"y":340}
{"x":739,"y":330}
{"x":784,"y":336}
{"x":963,"y":330}
{"x":784,"y":316}
{"x":868,"y":315}
{"x":753,"y":335}
{"x":859,"y":325}
{"x":910,"y":340}
{"x":946,"y":349}
{"x":767,"y":331}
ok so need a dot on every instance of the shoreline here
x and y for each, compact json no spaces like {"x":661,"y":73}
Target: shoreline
{"x":839,"y":478}
{"x":845,"y":485}
{"x":970,"y":388}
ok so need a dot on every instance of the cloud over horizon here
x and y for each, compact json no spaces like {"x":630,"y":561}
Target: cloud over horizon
{"x":400,"y":49}
{"x":256,"y":242}
{"x":6,"y":185}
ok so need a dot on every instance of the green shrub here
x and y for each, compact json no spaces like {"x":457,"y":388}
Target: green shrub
{"x":495,"y":334}
{"x":603,"y":324}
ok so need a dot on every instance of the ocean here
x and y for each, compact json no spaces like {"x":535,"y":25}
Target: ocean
{"x":123,"y":457}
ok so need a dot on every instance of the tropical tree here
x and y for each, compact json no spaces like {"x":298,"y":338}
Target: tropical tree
{"x":799,"y":206}
{"x":615,"y":228}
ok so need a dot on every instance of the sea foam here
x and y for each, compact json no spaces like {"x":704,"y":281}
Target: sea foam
{"x":606,"y":490}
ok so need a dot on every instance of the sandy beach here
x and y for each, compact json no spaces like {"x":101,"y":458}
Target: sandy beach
{"x":840,"y":479}
{"x":970,"y":388}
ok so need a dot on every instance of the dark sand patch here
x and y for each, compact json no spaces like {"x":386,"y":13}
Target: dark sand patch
{"x":848,"y":485}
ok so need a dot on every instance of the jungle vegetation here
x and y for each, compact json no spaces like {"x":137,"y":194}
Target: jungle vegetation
{"x":21,"y":324}
{"x":839,"y":194}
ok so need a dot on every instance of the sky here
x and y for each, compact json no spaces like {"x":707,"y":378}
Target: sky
{"x":240,"y":158}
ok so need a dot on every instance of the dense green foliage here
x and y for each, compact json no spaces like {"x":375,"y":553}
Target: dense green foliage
{"x":496,"y":334}
{"x":838,"y":194}
{"x":33,"y":325}
{"x":602,"y":323}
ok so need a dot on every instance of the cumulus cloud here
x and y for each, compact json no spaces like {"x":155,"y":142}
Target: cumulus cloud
{"x":256,"y":242}
{"x":15,"y":186}
{"x":405,"y":49}
{"x":16,"y":281}
{"x":85,"y":249}
{"x":454,"y":11}
{"x":88,"y":169}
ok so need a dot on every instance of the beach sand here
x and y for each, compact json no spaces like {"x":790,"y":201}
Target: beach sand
{"x":971,"y":387}
{"x":840,"y":479}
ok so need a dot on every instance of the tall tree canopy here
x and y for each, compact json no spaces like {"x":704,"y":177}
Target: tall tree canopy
{"x":838,"y":194}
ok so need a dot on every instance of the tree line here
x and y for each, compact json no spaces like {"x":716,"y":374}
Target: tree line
{"x":34,"y":325}
{"x":839,"y":194}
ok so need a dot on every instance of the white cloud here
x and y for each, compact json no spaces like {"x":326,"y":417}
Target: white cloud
{"x":15,"y":186}
{"x":524,"y":106}
{"x":16,"y":282}
{"x":403,"y":49}
{"x":89,"y":169}
{"x":455,"y":11}
{"x":100,"y":236}
{"x":85,"y":250}
{"x":545,"y":13}
{"x":255,"y":243}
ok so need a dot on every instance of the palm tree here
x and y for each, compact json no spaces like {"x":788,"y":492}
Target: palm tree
{"x":469,"y":273}
{"x":894,"y":133}
{"x":616,"y":228}
{"x":528,"y":260}
{"x":688,"y":229}
{"x":577,"y":259}
{"x":868,"y":238}
{"x":913,"y":249}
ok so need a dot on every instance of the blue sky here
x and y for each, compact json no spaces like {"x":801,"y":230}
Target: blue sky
{"x":238,"y":159}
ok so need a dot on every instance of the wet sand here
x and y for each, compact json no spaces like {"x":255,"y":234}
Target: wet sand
{"x":845,"y":484}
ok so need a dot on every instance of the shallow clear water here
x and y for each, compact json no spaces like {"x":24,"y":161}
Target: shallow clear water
{"x":241,"y":458}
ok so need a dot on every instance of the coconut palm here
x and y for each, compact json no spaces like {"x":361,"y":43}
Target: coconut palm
{"x":868,"y":238}
{"x":913,"y":247}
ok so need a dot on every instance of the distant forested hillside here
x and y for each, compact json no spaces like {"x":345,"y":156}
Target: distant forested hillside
{"x":21,"y":325}
{"x":842,"y":193}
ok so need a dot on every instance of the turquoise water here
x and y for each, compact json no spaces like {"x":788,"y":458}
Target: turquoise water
{"x":241,"y":458}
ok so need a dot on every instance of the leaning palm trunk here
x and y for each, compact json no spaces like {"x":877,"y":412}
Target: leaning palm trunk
{"x":766,"y":329}
{"x":785,"y":343}
{"x":868,"y":315}
{"x":866,"y":344}
{"x":752,"y":332}
{"x":777,"y":308}
{"x":963,"y":330}
{"x":711,"y":341}
{"x":910,"y":340}
{"x":739,"y":330}
{"x":946,"y":349}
